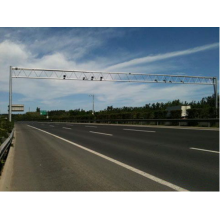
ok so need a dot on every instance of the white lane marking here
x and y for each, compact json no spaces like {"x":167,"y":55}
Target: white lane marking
{"x":66,"y":128}
{"x":212,"y":151}
{"x":51,"y":126}
{"x":154,"y":126}
{"x":138,"y":130}
{"x":142,"y":173}
{"x":91,"y":126}
{"x":101,"y":133}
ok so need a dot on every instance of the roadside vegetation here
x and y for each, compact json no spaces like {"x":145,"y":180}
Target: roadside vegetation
{"x":5,"y":128}
{"x":205,"y":108}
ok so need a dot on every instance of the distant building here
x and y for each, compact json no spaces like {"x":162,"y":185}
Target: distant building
{"x":183,"y":109}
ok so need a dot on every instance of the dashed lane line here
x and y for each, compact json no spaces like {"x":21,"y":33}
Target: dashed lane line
{"x":101,"y":133}
{"x":138,"y":130}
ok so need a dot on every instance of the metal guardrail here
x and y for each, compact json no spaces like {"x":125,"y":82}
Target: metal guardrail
{"x":6,"y":144}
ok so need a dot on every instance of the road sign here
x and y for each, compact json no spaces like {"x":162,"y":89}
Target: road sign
{"x":17,"y":108}
{"x":43,"y":112}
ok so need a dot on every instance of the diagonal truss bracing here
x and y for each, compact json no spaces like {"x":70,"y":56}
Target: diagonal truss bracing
{"x":108,"y":76}
{"x":17,"y":72}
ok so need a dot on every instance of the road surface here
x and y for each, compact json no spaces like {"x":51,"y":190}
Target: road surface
{"x":91,"y":157}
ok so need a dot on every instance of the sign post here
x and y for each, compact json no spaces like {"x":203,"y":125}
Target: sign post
{"x":10,"y":94}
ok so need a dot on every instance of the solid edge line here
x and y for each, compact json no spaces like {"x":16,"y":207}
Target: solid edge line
{"x":212,"y":151}
{"x":101,"y":133}
{"x":142,"y":173}
{"x":137,"y":130}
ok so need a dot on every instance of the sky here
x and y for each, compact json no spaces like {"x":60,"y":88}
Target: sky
{"x":177,"y":51}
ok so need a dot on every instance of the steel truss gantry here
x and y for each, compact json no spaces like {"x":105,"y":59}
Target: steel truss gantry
{"x":33,"y":73}
{"x":107,"y":76}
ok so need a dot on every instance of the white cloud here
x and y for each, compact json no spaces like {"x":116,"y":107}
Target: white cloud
{"x":11,"y":51}
{"x":74,"y":43}
{"x":153,"y":58}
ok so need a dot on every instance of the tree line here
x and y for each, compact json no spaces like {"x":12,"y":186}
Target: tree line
{"x":205,"y":108}
{"x":5,"y":128}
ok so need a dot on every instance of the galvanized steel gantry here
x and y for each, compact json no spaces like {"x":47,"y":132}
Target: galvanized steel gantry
{"x":34,"y":73}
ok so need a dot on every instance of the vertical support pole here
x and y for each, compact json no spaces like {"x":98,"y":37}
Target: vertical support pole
{"x":10,"y":94}
{"x":93,"y":112}
{"x":215,"y":95}
{"x":93,"y":105}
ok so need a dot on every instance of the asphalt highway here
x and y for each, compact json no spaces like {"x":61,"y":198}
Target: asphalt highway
{"x":91,"y":157}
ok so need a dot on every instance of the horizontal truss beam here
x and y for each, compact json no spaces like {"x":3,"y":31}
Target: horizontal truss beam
{"x":108,"y":76}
